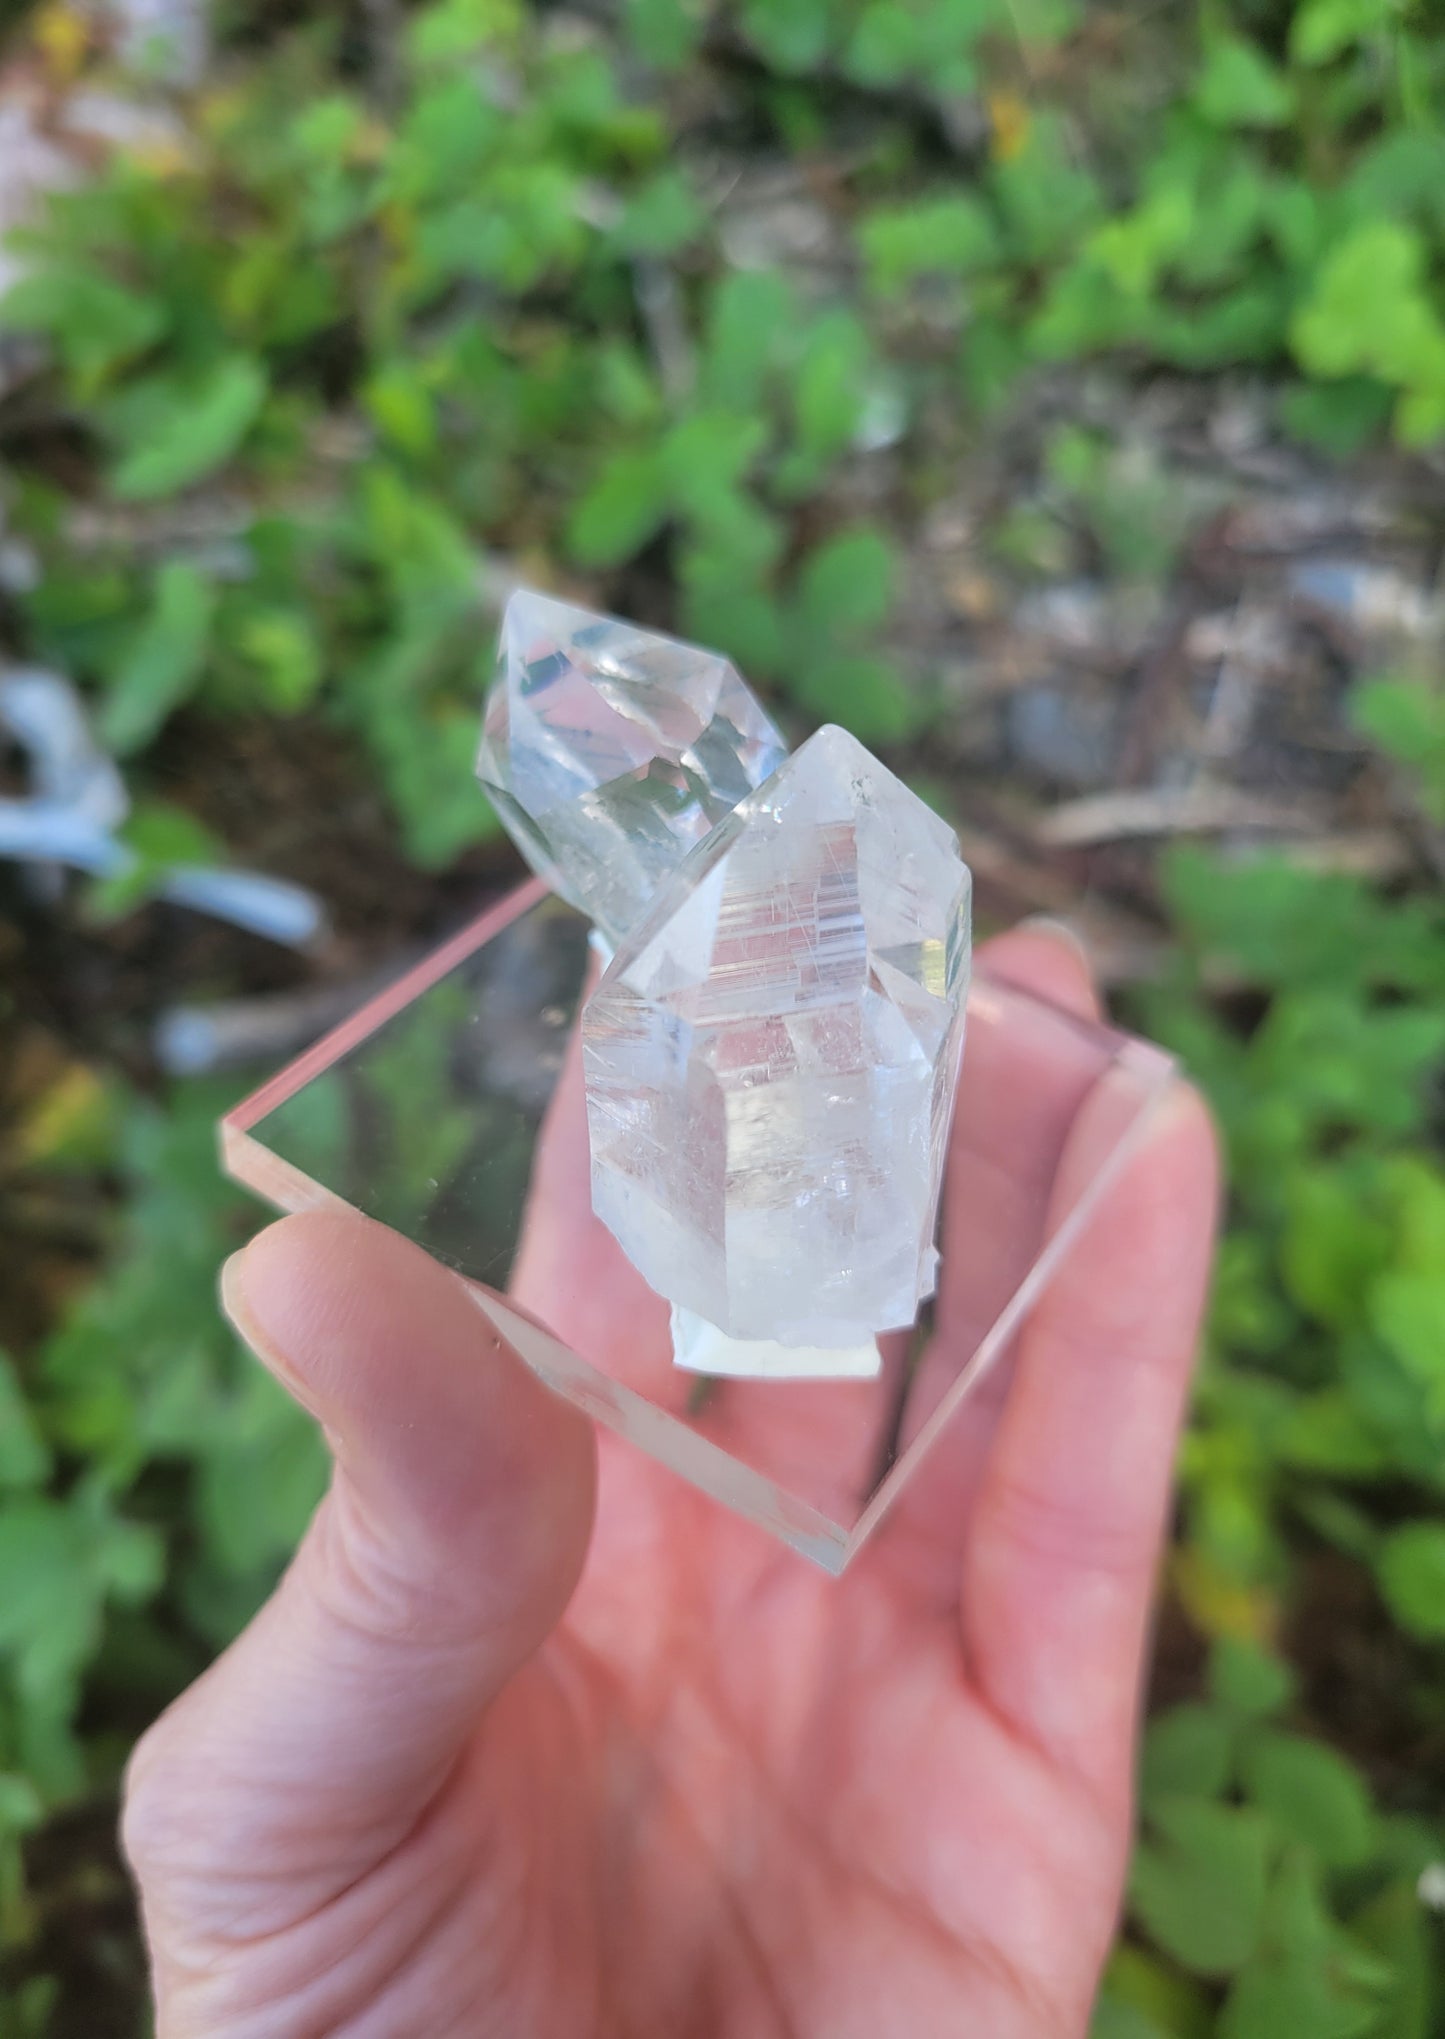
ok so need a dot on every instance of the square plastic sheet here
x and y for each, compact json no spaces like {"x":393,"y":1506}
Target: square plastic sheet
{"x":450,"y":1107}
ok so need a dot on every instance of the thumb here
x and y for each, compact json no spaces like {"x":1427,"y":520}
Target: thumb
{"x":447,"y":1547}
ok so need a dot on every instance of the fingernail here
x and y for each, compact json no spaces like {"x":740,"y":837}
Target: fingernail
{"x":1181,"y":1104}
{"x":1059,"y":931}
{"x":236,"y":1307}
{"x":229,"y":1283}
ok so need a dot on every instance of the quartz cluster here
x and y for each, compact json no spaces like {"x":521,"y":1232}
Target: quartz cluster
{"x":771,"y":1054}
{"x":770,"y":1058}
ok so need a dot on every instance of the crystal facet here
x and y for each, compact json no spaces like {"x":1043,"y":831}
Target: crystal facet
{"x":771,"y":1057}
{"x":609,"y":752}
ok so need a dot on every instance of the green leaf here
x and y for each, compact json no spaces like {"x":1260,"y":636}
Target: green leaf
{"x":1418,"y":1185}
{"x":131,"y":1560}
{"x":443,"y":141}
{"x":203,"y":425}
{"x":162,"y":838}
{"x":831,"y":385}
{"x":1408,"y":1312}
{"x":95,"y":324}
{"x":260,"y":1448}
{"x":1412,"y":1577}
{"x":1333,"y":1244}
{"x":1332,"y":1062}
{"x":21,"y":1809}
{"x":706,"y":456}
{"x":169,"y":835}
{"x":1043,"y":21}
{"x":886,"y":44}
{"x":1188,"y":1753}
{"x":1046,"y":196}
{"x":728,"y":602}
{"x":864,"y":694}
{"x":165,"y":659}
{"x":662,"y":217}
{"x":929,"y":237}
{"x":403,"y":408}
{"x":1311,"y":1794}
{"x":1143,"y":1997}
{"x":1322,"y":29}
{"x":791,"y":35}
{"x":846,"y":586}
{"x":664,"y":32}
{"x":750,"y":315}
{"x":1239,"y":87}
{"x":426,"y":759}
{"x":1135,"y":248}
{"x":1407,"y":719}
{"x":1307,"y":1976}
{"x":1248,"y":1679}
{"x":1277,"y":924}
{"x":1198,"y":1881}
{"x":1420,"y":413}
{"x":1113,"y":2020}
{"x":1394,"y":1926}
{"x":1339,"y":417}
{"x":1327,"y":1434}
{"x":24,"y":1455}
{"x":49,"y":1595}
{"x":1369,"y":312}
{"x":624,"y":507}
{"x":281,"y":648}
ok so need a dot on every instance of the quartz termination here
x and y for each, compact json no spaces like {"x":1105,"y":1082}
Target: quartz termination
{"x":609,"y":752}
{"x":771,"y":1058}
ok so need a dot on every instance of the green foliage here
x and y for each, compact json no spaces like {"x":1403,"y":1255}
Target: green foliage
{"x":1320,"y":1394}
{"x":1370,"y":311}
{"x":331,"y":366}
{"x":172,"y":431}
{"x":1258,"y":1844}
{"x":1198,"y":1883}
{"x":1325,"y":1365}
{"x":95,"y":324}
{"x":152,"y":1479}
{"x":1412,"y":1576}
{"x":1407,"y":719}
{"x":162,"y":839}
{"x":163,"y":661}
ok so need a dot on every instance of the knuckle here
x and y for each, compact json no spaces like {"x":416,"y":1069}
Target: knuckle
{"x":151,"y":1819}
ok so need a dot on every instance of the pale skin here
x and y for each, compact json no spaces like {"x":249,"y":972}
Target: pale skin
{"x":534,"y":1741}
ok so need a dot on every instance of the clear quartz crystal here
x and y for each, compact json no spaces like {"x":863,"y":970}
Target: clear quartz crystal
{"x":771,"y":1057}
{"x":609,"y":752}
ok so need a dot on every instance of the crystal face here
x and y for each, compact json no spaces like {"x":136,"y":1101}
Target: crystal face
{"x":771,"y":1057}
{"x":609,"y":752}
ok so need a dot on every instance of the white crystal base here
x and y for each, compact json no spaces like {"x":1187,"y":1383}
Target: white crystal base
{"x":699,"y":1347}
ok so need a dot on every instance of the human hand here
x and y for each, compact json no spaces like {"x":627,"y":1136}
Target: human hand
{"x":720,"y":1794}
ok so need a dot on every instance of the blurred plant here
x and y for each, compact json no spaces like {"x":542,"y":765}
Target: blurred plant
{"x":1407,"y":719}
{"x":1325,"y":1375}
{"x":367,"y":343}
{"x":152,"y":1477}
{"x":1265,"y":1867}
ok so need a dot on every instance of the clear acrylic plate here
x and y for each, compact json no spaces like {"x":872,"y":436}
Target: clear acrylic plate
{"x":450,"y":1107}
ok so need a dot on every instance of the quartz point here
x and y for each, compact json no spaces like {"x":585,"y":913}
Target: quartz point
{"x":770,"y":1062}
{"x":609,"y":752}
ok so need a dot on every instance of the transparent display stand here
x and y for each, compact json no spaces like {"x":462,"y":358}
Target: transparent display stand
{"x":450,"y":1107}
